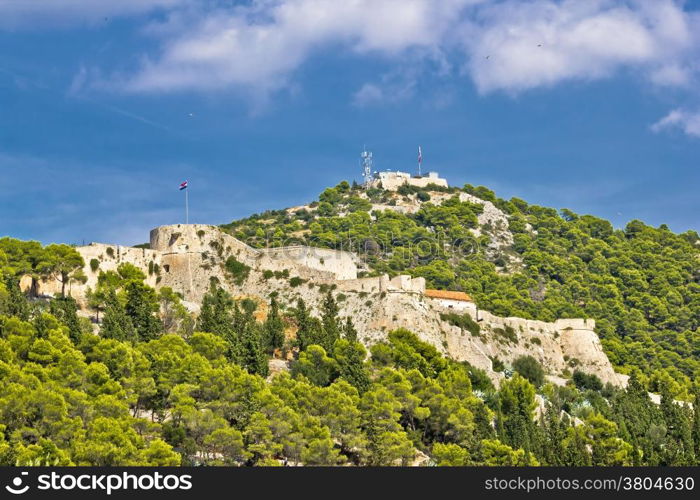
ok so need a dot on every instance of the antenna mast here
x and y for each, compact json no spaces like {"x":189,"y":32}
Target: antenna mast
{"x":366,"y":158}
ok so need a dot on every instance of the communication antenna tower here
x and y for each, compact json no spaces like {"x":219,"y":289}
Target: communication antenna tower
{"x":366,"y":158}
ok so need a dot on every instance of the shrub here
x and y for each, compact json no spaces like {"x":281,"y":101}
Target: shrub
{"x":463,"y":321}
{"x":507,"y":333}
{"x":267,"y":274}
{"x":110,"y":252}
{"x":238,"y":270}
{"x":587,"y":381}
{"x":296,"y":281}
{"x":529,"y":367}
{"x":497,"y":365}
{"x":423,"y":196}
{"x":94,"y":265}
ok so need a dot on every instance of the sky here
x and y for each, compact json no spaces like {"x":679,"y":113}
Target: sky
{"x":105,"y":107}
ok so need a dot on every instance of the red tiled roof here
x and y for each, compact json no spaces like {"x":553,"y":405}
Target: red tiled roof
{"x":447,"y":294}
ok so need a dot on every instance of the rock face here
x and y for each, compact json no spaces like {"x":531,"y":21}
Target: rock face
{"x":188,"y":258}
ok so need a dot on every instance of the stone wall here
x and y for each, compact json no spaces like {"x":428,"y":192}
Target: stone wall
{"x":340,"y":265}
{"x":391,"y":181}
{"x":189,"y":257}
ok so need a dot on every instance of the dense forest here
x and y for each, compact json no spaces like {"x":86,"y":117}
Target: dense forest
{"x":641,"y":284}
{"x":156,"y":386}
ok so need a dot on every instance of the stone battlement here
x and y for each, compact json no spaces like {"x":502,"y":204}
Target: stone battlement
{"x":392,"y":181}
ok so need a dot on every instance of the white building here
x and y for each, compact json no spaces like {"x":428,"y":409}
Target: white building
{"x":457,"y":301}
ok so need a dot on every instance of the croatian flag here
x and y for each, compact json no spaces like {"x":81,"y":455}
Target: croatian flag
{"x":420,"y":155}
{"x":183,"y":185}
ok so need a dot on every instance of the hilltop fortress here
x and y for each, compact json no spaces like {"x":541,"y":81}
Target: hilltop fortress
{"x":188,"y":258}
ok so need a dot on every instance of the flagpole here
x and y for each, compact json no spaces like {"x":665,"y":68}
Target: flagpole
{"x":420,"y":160}
{"x":187,"y":207}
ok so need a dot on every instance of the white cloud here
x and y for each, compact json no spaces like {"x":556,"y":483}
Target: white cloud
{"x":516,"y":46}
{"x":262,"y":44}
{"x":32,"y":14}
{"x":368,"y":94}
{"x":504,"y":45}
{"x":688,"y":122}
{"x":501,"y":45}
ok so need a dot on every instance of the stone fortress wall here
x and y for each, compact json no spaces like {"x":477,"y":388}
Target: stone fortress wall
{"x":394,"y":180}
{"x":188,"y":257}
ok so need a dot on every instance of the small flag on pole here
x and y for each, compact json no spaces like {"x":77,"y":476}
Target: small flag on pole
{"x":183,"y":185}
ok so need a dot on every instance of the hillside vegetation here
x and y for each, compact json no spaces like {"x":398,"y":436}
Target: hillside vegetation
{"x":154,"y":385}
{"x":641,"y":284}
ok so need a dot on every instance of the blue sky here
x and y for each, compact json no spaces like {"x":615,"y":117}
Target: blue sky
{"x":105,"y":109}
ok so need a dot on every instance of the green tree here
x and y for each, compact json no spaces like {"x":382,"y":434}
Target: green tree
{"x":349,"y":331}
{"x":116,"y":323}
{"x":142,"y":307}
{"x":350,"y":357}
{"x":274,"y":327}
{"x":331,"y":322}
{"x":516,"y":412}
{"x":65,"y":309}
{"x":450,"y":455}
{"x":314,"y":364}
{"x":66,"y":264}
{"x":530,"y":368}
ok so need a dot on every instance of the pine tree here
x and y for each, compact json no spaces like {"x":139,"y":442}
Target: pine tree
{"x":274,"y":327}
{"x":116,"y":324}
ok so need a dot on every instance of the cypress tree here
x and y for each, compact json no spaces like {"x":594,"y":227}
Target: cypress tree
{"x":142,"y":307}
{"x":351,"y":363}
{"x":329,"y":318}
{"x":274,"y":328}
{"x":216,"y":317}
{"x":116,"y":324}
{"x":16,"y":303}
{"x":304,"y":323}
{"x":65,"y":309}
{"x":349,"y":332}
{"x":696,"y":423}
{"x":253,"y":356}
